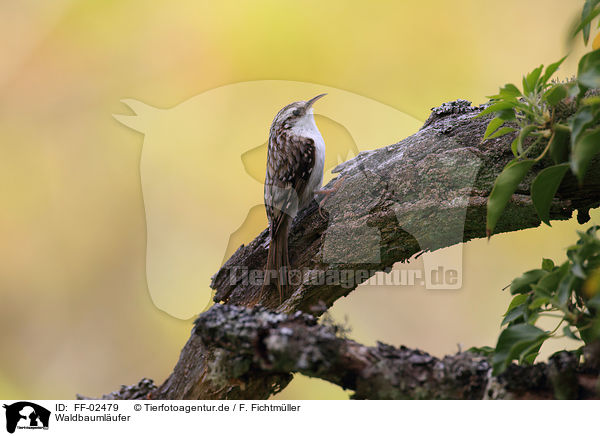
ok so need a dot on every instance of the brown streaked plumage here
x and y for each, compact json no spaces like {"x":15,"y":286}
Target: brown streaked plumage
{"x":295,"y":160}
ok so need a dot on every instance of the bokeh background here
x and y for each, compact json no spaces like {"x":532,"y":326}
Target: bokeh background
{"x":75,"y":312}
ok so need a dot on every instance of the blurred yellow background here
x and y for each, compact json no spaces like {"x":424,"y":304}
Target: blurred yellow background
{"x":75,"y":312}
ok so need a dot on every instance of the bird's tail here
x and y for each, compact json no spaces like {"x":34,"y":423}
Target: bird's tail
{"x":278,"y":262}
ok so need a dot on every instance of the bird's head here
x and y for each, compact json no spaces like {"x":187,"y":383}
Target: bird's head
{"x":297,"y":114}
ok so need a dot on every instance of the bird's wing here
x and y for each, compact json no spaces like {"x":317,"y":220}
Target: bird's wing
{"x":290,"y":162}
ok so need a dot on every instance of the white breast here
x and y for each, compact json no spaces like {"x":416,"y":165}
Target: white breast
{"x":307,"y":127}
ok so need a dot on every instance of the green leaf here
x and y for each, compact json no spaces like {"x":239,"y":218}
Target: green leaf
{"x":544,"y":188}
{"x":507,"y":92}
{"x":514,"y":146}
{"x":496,"y":107}
{"x":592,"y":231}
{"x":585,"y":28}
{"x":579,"y":122}
{"x":506,"y":114}
{"x":594,"y":302}
{"x":512,"y":342}
{"x":574,"y":91}
{"x":523,"y":134}
{"x":586,"y":147}
{"x":514,"y":314}
{"x":587,"y":15}
{"x":578,"y":271}
{"x":591,"y":101}
{"x":522,"y":284}
{"x":550,"y":281}
{"x":501,"y":132}
{"x":530,"y":82}
{"x":516,"y":301}
{"x":540,"y":291}
{"x":590,"y":332}
{"x":555,"y":94}
{"x":533,"y":317}
{"x":559,"y":143}
{"x":551,"y":69}
{"x":538,"y":302}
{"x":484,"y":351}
{"x":492,"y":126}
{"x":563,"y":292}
{"x":588,"y":7}
{"x":547,"y":264}
{"x":504,"y":187}
{"x":588,"y":73}
{"x":528,"y":355}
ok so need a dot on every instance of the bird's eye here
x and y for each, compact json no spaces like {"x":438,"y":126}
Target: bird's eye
{"x":296,"y":112}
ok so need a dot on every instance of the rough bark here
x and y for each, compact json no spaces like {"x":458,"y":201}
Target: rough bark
{"x":257,"y":340}
{"x":426,"y":192}
{"x":255,"y":343}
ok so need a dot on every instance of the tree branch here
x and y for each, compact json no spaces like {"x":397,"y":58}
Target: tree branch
{"x":257,"y":340}
{"x":254,"y":343}
{"x":427,"y":192}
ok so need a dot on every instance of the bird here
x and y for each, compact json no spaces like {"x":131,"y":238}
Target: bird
{"x":294,"y":175}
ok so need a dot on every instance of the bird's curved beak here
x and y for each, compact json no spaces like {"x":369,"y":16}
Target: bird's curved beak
{"x":310,"y":102}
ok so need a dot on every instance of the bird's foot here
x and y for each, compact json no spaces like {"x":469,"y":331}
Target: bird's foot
{"x":327,"y":192}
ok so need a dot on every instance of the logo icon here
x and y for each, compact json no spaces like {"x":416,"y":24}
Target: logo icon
{"x":26,"y":415}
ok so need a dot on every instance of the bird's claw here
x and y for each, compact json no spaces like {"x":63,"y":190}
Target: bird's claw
{"x":327,"y":192}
